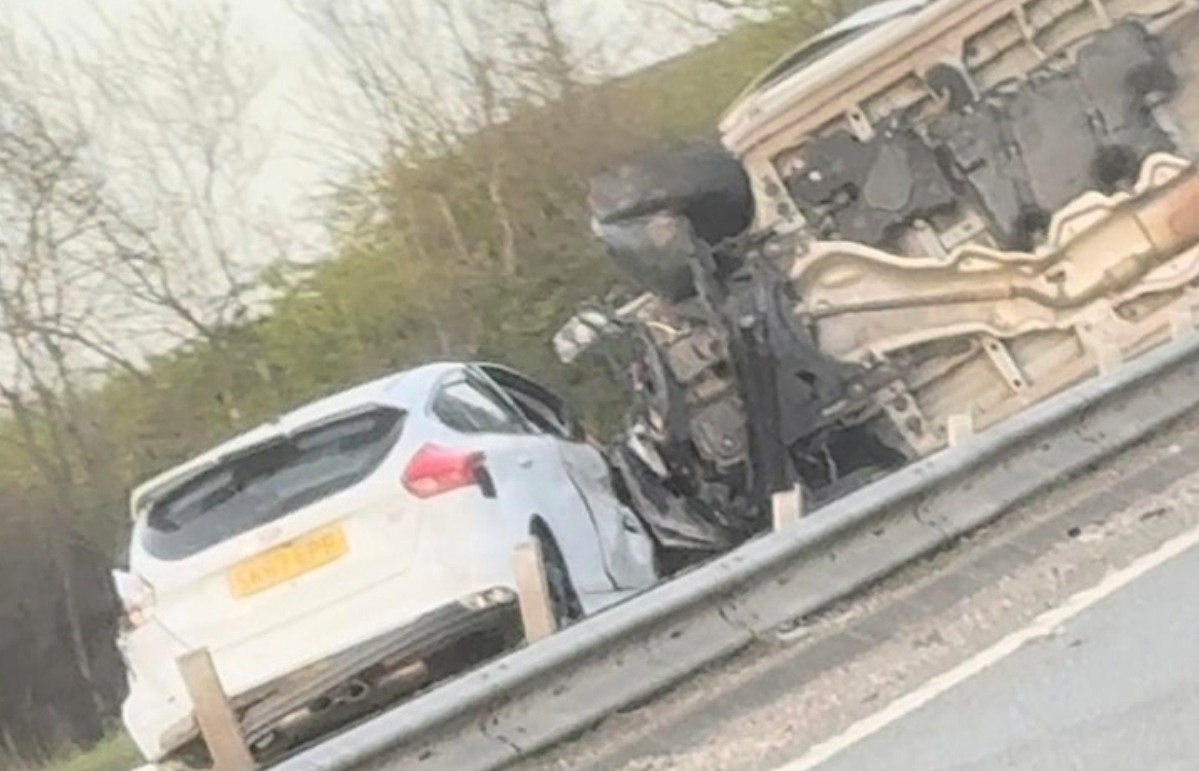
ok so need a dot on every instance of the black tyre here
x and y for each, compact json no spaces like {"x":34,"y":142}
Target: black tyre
{"x":653,"y":213}
{"x":703,"y":182}
{"x":564,"y":599}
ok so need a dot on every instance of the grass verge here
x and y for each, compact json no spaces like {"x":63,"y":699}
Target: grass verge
{"x":116,"y":753}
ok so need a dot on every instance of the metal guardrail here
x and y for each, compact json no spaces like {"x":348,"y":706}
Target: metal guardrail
{"x":540,"y":694}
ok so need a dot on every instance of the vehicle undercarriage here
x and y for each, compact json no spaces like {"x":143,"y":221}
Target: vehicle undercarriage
{"x":952,"y":214}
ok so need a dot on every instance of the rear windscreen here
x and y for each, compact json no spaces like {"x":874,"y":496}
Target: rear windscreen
{"x":268,"y":481}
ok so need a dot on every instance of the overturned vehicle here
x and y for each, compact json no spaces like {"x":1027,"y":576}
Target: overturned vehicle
{"x":934,"y":214}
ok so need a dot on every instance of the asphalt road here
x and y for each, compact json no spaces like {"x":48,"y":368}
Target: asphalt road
{"x":1117,"y":687}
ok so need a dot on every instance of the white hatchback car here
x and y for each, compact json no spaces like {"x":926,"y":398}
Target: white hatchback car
{"x":359,"y":548}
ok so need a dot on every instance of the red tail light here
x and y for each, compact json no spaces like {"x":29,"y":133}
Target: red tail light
{"x":436,"y":470}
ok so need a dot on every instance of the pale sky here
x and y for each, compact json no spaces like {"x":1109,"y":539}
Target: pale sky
{"x":295,"y":74}
{"x":293,"y":52}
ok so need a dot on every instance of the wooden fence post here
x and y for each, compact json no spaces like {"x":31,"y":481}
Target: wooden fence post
{"x":536,"y":608}
{"x":786,"y":507}
{"x":214,"y":714}
{"x":959,"y":428}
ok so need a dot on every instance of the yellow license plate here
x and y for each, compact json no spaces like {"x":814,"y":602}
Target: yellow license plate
{"x":279,"y":565}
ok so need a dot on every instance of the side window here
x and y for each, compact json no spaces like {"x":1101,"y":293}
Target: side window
{"x":541,"y":414}
{"x":463,"y":406}
{"x":541,"y":408}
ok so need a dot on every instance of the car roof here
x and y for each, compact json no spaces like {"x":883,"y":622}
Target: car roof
{"x":404,"y":389}
{"x":794,"y":60}
{"x":871,"y":15}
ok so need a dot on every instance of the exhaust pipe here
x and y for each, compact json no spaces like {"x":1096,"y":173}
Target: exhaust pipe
{"x":351,"y":693}
{"x":264,"y":742}
{"x":410,"y":673}
{"x":354,"y":692}
{"x":299,"y":722}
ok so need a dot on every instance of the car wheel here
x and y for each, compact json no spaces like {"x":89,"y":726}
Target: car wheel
{"x":564,"y":600}
{"x":655,"y":212}
{"x":702,"y":181}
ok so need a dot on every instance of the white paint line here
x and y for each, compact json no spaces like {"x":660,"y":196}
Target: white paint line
{"x":1043,"y":626}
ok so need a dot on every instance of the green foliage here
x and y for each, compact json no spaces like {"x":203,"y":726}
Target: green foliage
{"x":113,"y":754}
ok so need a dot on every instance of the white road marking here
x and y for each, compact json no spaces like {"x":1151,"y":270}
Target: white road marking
{"x":1043,"y":626}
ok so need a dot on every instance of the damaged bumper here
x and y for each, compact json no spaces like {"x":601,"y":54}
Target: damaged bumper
{"x":278,"y":716}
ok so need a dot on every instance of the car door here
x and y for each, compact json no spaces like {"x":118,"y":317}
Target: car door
{"x":627,"y":547}
{"x":529,"y":476}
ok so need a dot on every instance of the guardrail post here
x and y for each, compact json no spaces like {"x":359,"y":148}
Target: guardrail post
{"x":536,"y":608}
{"x":1182,"y":322}
{"x":959,"y":428}
{"x":214,"y":714}
{"x":1108,"y":357}
{"x":786,"y":507}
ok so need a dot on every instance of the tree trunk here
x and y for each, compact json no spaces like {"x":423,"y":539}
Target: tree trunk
{"x":78,"y":639}
{"x":495,"y":191}
{"x":444,"y":342}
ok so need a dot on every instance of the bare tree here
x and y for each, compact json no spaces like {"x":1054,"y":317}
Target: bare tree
{"x":700,"y":20}
{"x":50,"y":279}
{"x":182,"y":143}
{"x":710,"y":19}
{"x":124,"y":187}
{"x":440,"y":79}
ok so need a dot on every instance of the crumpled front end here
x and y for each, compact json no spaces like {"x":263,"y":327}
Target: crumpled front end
{"x":969,"y":206}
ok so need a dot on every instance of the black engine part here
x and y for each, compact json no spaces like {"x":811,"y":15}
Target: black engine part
{"x":862,"y":191}
{"x":973,"y":140}
{"x":1019,"y":152}
{"x":677,"y":522}
{"x":806,"y":381}
{"x":654,"y":251}
{"x":1121,"y":70}
{"x":1024,"y":153}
